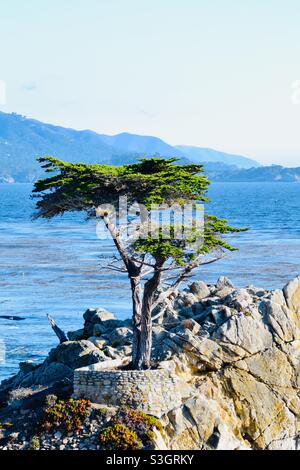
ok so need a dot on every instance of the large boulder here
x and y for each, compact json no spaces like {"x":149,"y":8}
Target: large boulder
{"x":244,"y":335}
{"x":98,"y":315}
{"x":203,"y":424}
{"x":95,"y":316}
{"x":50,"y":374}
{"x":76,"y":335}
{"x":292,"y":295}
{"x":224,"y":287}
{"x":200,"y":290}
{"x":45,"y":374}
{"x":240,"y":300}
{"x":121,"y":336}
{"x":283,"y":322}
{"x":59,"y":365}
{"x":106,"y":327}
{"x":76,"y":354}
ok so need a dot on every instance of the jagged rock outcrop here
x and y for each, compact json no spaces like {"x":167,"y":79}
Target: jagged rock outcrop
{"x":82,"y":350}
{"x":236,"y":353}
{"x":244,"y":365}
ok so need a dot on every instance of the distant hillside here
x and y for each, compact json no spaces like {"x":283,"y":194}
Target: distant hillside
{"x":141,"y":144}
{"x":22,"y":140}
{"x":274,"y":173}
{"x":201,"y":155}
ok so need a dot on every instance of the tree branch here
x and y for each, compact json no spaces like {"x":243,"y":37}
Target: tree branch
{"x":130,"y":265}
{"x":184,"y":275}
{"x":59,"y":333}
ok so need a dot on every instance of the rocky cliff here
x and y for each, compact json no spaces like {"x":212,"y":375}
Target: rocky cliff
{"x":240,"y":352}
{"x":235,"y":353}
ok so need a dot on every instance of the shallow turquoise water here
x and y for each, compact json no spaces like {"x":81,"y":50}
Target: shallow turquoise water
{"x":54,"y":267}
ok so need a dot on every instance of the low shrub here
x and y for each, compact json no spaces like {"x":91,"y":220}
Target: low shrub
{"x":67,"y":415}
{"x":6,"y":425}
{"x":119,"y":437}
{"x":135,"y":419}
{"x":137,"y":427}
{"x":35,"y":443}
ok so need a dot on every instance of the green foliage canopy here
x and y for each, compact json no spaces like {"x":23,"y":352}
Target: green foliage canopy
{"x":83,"y":187}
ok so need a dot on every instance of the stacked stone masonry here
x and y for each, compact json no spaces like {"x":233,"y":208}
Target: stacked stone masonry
{"x":153,"y":391}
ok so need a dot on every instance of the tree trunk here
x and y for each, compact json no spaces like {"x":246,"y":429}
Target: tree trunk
{"x":144,"y":356}
{"x":134,"y":274}
{"x":136,"y":319}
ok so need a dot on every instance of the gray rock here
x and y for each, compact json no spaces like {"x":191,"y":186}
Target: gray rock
{"x":198,"y":308}
{"x":121,"y":337}
{"x":257,"y":291}
{"x":221,"y":315}
{"x":106,"y":327}
{"x":224,"y":282}
{"x":170,"y":317}
{"x":189,"y":299}
{"x":100,"y":343}
{"x":27,"y":366}
{"x":112,"y":353}
{"x":184,"y":299}
{"x":213,"y":301}
{"x":200,"y":290}
{"x":188,"y":324}
{"x":187,"y":312}
{"x":202,"y":315}
{"x":50,"y":373}
{"x":76,"y":335}
{"x":292,"y":295}
{"x":76,"y":354}
{"x":283,"y":322}
{"x":245,"y":332}
{"x":96,"y":316}
{"x":240,"y":300}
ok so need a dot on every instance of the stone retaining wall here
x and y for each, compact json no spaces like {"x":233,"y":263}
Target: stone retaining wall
{"x":152,"y":391}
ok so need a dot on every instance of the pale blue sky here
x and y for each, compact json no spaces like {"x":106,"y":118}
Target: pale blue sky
{"x":213,"y":73}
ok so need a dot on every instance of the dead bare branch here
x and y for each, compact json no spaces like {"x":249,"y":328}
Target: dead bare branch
{"x":58,"y":331}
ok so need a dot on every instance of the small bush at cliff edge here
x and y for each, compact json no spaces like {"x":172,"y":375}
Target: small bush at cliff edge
{"x":66,"y":415}
{"x":130,"y":430}
{"x":119,"y":437}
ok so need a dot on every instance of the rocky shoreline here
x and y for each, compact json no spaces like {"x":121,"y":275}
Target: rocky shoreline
{"x":236,"y":356}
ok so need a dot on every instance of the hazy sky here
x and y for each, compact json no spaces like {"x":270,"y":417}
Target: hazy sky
{"x":213,"y":73}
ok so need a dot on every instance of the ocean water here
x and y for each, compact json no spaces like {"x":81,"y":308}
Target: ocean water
{"x":55,"y":267}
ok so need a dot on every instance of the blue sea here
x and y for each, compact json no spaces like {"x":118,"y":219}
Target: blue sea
{"x":55,"y":267}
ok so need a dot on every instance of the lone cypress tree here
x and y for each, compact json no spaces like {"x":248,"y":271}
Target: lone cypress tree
{"x":151,"y":260}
